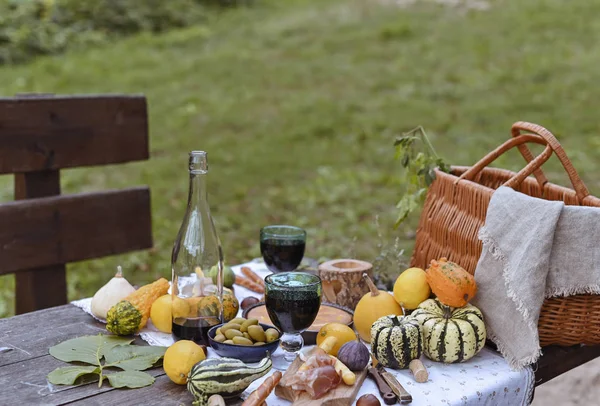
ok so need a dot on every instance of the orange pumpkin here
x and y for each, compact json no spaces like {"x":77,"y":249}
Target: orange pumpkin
{"x":452,"y":285}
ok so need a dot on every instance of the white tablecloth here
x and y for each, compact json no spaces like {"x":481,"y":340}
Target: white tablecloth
{"x":486,"y":379}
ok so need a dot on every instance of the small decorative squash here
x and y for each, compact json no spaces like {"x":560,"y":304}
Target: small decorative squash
{"x":209,"y":306}
{"x":355,"y":355}
{"x":371,"y":307}
{"x":396,"y":340}
{"x":227,"y":377}
{"x":115,"y":290}
{"x":132,"y":313}
{"x":450,"y":334}
{"x":452,"y":285}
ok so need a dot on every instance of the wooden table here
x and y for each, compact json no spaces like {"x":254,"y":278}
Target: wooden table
{"x":23,"y":370}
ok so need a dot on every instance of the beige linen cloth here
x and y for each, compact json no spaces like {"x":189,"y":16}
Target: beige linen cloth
{"x":532,"y":249}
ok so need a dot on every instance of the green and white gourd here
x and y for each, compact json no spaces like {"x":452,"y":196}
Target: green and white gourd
{"x":450,"y":334}
{"x":396,"y":340}
{"x":227,"y":377}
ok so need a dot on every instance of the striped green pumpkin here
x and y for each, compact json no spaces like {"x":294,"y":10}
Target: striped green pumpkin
{"x":396,"y":340}
{"x":227,"y":377}
{"x":450,"y":334}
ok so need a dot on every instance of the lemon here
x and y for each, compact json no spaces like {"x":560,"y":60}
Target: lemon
{"x":180,"y":308}
{"x":411,"y":288}
{"x":342,"y":332}
{"x":180,"y":358}
{"x":165,"y":308}
{"x":160,"y":313}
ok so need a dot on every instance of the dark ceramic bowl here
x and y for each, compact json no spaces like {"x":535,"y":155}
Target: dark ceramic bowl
{"x":246,"y":353}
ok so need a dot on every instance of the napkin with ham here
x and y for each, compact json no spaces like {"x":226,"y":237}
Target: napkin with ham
{"x":317,"y":376}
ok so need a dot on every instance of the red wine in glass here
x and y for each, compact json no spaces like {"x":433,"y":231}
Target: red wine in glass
{"x":292,"y":300}
{"x":195,"y":329}
{"x":282,"y":247}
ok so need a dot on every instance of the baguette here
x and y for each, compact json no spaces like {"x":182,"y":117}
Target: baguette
{"x":248,"y":284}
{"x":253,"y":276}
{"x":261,"y":393}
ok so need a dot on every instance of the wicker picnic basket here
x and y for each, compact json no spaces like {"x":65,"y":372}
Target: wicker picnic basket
{"x":455,"y":209}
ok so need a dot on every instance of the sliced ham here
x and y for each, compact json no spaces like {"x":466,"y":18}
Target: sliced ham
{"x":318,"y":379}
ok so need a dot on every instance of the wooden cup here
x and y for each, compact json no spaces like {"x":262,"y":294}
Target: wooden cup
{"x":342,"y":281}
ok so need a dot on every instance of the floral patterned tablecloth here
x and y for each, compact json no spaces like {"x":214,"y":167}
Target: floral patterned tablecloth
{"x":486,"y":379}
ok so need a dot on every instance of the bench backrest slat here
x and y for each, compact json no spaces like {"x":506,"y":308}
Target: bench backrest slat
{"x":43,"y":133}
{"x":69,"y":228}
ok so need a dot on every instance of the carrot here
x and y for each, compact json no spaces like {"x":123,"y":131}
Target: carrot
{"x":253,"y":276}
{"x":248,"y":284}
{"x":261,"y":393}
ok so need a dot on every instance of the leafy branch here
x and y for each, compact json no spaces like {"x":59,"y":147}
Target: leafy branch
{"x":116,"y":352}
{"x":419,"y":160}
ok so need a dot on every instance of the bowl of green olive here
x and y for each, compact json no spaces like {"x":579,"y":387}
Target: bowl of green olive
{"x":244,"y":339}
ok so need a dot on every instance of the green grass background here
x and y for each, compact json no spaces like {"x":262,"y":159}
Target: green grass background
{"x":298,"y":103}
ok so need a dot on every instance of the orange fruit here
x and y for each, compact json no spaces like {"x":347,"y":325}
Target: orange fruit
{"x":342,"y":332}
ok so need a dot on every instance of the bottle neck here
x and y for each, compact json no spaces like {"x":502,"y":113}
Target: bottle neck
{"x":198,"y":194}
{"x":198,"y":166}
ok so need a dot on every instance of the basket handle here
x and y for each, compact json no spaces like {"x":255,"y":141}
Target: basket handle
{"x":580,"y":189}
{"x":511,"y":143}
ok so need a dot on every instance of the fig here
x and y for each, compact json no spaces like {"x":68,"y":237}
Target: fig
{"x":249,"y":301}
{"x":355,"y":355}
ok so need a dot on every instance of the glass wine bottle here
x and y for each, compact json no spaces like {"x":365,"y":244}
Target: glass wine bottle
{"x":197,"y":302}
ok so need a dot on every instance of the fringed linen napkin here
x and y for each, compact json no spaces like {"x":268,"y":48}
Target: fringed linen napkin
{"x":532,"y":249}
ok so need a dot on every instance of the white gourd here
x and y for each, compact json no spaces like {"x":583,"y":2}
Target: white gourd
{"x":115,"y":290}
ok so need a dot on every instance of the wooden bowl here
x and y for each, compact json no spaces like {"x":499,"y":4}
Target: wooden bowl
{"x":328,"y":313}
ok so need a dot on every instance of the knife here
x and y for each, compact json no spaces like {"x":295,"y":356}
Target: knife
{"x":397,"y":388}
{"x":384,"y":389}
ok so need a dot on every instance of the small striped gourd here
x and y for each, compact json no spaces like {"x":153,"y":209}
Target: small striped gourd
{"x":227,"y":377}
{"x":450,"y":334}
{"x":396,"y":340}
{"x":131,"y":314}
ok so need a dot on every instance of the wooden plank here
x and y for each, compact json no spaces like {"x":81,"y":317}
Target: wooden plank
{"x":24,"y":380}
{"x":30,"y":335}
{"x":62,"y":229}
{"x":558,"y":360}
{"x":29,"y":346}
{"x":37,"y":184}
{"x":39,"y":288}
{"x":40,"y":133}
{"x":29,"y":323}
{"x":162,"y":392}
{"x":25,"y":383}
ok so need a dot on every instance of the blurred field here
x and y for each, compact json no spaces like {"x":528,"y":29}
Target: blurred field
{"x":298,"y":102}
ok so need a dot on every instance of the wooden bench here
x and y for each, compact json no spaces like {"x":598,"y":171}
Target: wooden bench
{"x":42,"y":230}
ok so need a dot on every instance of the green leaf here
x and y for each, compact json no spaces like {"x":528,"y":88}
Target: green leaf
{"x":88,"y":349}
{"x":68,"y":375}
{"x":429,"y":177}
{"x":418,"y":170}
{"x":130,"y":379}
{"x":405,"y":160}
{"x":134,"y":357}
